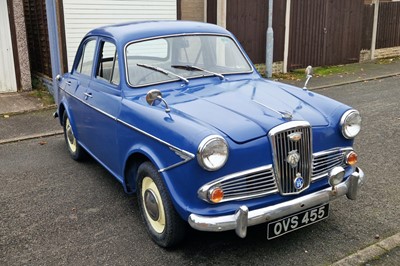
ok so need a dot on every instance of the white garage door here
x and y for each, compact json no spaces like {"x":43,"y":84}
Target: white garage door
{"x":82,"y":16}
{"x":7,"y":71}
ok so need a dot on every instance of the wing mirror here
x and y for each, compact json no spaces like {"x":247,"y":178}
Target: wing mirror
{"x":154,"y":97}
{"x":309,"y":72}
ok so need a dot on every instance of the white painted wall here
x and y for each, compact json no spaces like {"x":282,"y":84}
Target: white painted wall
{"x":82,"y":16}
{"x":8,"y":81}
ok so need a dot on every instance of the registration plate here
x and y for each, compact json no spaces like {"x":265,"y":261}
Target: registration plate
{"x":297,"y":221}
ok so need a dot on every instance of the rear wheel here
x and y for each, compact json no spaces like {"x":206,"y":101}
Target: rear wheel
{"x":163,"y":223}
{"x":75,"y":150}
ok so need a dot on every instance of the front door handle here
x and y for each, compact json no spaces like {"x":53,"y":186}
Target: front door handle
{"x":88,"y":95}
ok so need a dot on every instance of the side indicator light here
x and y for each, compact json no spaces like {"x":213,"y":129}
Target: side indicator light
{"x":216,"y":194}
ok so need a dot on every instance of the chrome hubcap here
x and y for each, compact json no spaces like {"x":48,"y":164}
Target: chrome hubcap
{"x":153,"y":205}
{"x":70,"y":136}
{"x":150,"y":201}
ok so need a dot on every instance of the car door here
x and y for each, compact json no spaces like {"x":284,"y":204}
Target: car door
{"x":103,"y":95}
{"x":76,"y":86}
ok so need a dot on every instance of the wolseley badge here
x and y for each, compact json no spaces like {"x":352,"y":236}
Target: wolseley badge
{"x":293,"y":158}
{"x":298,"y":181}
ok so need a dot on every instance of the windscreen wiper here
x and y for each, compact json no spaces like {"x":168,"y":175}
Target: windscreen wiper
{"x":164,"y":71}
{"x":188,"y":67}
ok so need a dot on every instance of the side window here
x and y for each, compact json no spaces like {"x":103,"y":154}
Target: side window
{"x":86,"y":62}
{"x":107,"y":68}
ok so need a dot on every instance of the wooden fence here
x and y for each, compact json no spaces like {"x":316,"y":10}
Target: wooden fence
{"x":322,"y":32}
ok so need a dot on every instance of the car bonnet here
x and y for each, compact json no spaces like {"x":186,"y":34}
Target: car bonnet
{"x":246,"y":110}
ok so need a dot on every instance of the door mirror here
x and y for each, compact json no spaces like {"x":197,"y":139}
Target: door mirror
{"x":154,"y":97}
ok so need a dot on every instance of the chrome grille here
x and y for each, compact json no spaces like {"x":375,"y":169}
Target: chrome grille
{"x":244,"y":185}
{"x":282,"y":146}
{"x":324,"y":161}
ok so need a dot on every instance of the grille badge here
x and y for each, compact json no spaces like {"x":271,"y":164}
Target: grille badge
{"x":298,"y":181}
{"x":293,"y":158}
{"x":295,"y":136}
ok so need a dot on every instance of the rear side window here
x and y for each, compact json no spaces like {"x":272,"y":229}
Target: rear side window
{"x":107,"y":67}
{"x":86,"y":61}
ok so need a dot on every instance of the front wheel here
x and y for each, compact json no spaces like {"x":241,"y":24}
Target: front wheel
{"x":75,"y":150}
{"x":162,"y":221}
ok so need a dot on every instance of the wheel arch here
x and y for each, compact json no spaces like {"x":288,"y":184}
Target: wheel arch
{"x":131,"y":167}
{"x":61,"y":111}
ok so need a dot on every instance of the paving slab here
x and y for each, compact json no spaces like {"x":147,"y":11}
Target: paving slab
{"x":11,"y":103}
{"x":28,"y":125}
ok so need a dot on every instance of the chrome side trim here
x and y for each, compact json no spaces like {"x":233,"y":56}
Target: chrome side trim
{"x":236,"y":221}
{"x":185,"y":155}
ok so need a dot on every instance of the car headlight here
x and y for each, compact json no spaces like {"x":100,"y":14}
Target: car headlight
{"x":351,"y":124}
{"x":212,"y":153}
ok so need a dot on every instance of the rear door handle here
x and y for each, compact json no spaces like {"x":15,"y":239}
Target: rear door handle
{"x":88,"y":95}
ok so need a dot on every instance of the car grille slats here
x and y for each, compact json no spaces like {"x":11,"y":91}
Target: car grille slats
{"x":324,"y":161}
{"x":299,"y":152}
{"x":249,"y":187}
{"x":247,"y":184}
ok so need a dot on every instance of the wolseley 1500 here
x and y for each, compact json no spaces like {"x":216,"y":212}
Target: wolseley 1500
{"x":178,"y":114}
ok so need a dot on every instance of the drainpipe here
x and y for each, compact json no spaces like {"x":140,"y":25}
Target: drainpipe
{"x":270,"y":42}
{"x":374,"y":29}
{"x":54,"y":45}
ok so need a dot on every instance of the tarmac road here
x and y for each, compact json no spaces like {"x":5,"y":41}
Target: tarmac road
{"x":57,"y":211}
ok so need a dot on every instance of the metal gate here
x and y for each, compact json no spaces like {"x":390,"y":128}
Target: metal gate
{"x":8,"y":81}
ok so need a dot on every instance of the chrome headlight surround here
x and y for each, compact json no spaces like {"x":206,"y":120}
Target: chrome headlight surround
{"x":212,"y":153}
{"x":351,"y":124}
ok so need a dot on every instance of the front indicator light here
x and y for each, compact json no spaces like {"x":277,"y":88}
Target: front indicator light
{"x":216,"y":195}
{"x":351,"y":158}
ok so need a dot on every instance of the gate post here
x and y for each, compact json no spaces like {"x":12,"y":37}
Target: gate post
{"x":374,"y":29}
{"x":270,"y":42}
{"x":54,"y":45}
{"x":221,"y":13}
{"x":287,"y":31}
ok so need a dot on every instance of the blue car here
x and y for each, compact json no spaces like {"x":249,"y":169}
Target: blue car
{"x":178,"y":114}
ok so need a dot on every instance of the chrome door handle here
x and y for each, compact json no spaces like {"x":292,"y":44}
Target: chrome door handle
{"x":88,"y":95}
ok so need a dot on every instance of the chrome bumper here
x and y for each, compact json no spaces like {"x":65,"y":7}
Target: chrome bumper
{"x":244,"y":218}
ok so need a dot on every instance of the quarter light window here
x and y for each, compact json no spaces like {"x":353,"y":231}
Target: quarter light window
{"x":86,"y":61}
{"x":107,"y":67}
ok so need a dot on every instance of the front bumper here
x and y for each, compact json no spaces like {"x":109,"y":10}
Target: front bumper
{"x":244,"y":218}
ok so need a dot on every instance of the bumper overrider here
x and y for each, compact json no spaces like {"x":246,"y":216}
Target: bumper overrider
{"x":244,"y":218}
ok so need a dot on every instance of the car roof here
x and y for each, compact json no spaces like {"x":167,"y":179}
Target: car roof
{"x":127,"y":32}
